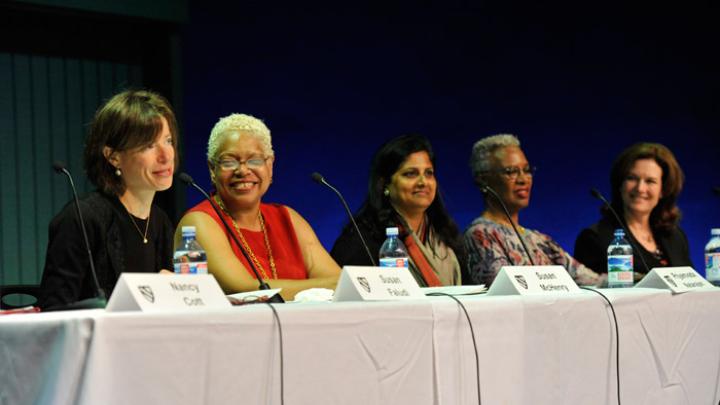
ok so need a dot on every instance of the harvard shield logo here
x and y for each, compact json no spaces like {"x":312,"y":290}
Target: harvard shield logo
{"x":364,"y":283}
{"x":147,"y":293}
{"x":521,"y":280}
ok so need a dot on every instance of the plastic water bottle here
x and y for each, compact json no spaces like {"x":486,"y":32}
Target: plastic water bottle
{"x":393,"y":252}
{"x":620,"y":261}
{"x":712,"y":257}
{"x":190,"y":258}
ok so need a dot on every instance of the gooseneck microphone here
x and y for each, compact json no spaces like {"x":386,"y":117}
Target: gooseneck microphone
{"x":321,"y":180}
{"x":595,"y":193}
{"x":484,"y":188}
{"x":100,"y":300}
{"x":262,"y":285}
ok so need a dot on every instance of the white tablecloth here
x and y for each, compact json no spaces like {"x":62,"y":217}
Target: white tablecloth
{"x":540,"y":350}
{"x":42,"y":356}
{"x":533,"y":350}
{"x":375,"y":353}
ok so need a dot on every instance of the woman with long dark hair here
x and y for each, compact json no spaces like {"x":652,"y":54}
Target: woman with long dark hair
{"x":402,"y":192}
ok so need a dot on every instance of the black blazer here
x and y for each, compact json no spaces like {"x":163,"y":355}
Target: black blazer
{"x":66,"y":277}
{"x":592,"y":243}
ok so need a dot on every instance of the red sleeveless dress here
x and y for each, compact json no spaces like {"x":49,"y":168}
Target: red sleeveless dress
{"x":281,"y":233}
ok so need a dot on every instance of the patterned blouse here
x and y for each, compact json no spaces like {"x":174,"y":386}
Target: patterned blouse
{"x":491,"y":245}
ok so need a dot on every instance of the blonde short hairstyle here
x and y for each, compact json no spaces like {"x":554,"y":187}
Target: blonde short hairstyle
{"x":484,"y":148}
{"x":236,"y":123}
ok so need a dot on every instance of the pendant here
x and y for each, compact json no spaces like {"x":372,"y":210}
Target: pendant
{"x":145,"y":241}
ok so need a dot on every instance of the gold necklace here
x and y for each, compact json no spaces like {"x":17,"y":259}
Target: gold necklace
{"x":147,"y":225}
{"x":245,"y":244}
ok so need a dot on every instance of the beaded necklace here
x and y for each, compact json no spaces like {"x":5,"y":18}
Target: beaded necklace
{"x":245,"y":244}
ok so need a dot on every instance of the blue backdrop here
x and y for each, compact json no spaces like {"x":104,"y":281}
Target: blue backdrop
{"x":576,"y":84}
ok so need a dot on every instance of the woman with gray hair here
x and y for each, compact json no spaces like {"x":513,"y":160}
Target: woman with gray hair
{"x":282,"y":245}
{"x":498,"y":163}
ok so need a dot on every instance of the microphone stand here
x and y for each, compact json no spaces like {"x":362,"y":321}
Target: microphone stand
{"x":484,"y":188}
{"x":89,"y":303}
{"x":321,"y":180}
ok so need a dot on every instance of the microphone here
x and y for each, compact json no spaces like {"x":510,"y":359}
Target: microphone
{"x":595,"y":193}
{"x":100,"y":301}
{"x":262,"y":285}
{"x":484,"y":188}
{"x":716,"y":190}
{"x":321,"y":180}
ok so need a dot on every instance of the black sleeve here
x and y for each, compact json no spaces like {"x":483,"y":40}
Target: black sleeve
{"x":66,"y":277}
{"x":590,"y":251}
{"x":348,"y":248}
{"x":684,"y":247}
{"x":165,"y":257}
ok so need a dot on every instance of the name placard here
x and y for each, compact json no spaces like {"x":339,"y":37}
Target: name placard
{"x":532,"y":280}
{"x":153,"y":292}
{"x":676,"y":279}
{"x":365,"y":283}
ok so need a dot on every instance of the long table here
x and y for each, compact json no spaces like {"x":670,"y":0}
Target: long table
{"x":532,"y":350}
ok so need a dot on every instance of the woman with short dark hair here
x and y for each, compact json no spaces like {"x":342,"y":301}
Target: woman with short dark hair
{"x":402,"y":192}
{"x":129,"y":156}
{"x":646,"y":181}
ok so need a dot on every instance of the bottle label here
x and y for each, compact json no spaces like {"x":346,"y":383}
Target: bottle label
{"x":393,"y":262}
{"x":190,"y":262}
{"x":620,"y":269}
{"x":712,"y":266}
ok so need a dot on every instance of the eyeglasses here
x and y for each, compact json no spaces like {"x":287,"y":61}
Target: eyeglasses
{"x":512,"y":172}
{"x":232,"y":164}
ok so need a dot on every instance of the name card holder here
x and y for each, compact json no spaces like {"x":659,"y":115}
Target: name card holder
{"x":366,"y":283}
{"x":532,"y":280}
{"x":676,"y":279}
{"x":153,"y":292}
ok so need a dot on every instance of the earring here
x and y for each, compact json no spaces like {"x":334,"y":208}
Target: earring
{"x":118,"y":172}
{"x":386,"y":192}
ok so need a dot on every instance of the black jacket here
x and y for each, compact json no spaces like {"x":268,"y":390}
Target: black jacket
{"x":66,"y":278}
{"x":592,"y":243}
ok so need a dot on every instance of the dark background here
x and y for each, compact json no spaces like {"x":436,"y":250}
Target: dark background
{"x":576,"y":82}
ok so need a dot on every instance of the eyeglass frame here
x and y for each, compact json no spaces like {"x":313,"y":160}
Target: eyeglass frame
{"x":512,"y":172}
{"x":238,"y":163}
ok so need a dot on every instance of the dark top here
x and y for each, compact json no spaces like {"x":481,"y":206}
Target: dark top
{"x":139,"y":255}
{"x":67,"y":279}
{"x":592,"y":243}
{"x":348,"y":249}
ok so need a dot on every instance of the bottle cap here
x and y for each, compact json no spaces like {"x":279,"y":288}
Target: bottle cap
{"x":188,"y":231}
{"x":715,"y":232}
{"x":393,"y":231}
{"x":619,"y":232}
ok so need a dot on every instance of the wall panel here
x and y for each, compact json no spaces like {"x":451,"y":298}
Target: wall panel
{"x":46,"y":104}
